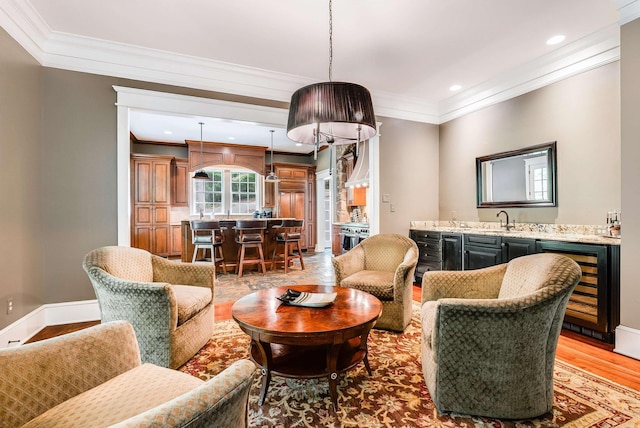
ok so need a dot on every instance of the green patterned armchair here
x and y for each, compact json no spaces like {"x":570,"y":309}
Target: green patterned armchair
{"x":169,"y":304}
{"x":489,"y":335}
{"x":382,"y":265}
{"x":94,"y":378}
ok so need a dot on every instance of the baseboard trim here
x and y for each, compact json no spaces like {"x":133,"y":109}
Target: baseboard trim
{"x":50,"y":314}
{"x":627,"y":342}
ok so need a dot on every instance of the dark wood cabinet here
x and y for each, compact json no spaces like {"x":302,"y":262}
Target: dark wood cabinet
{"x":336,"y":241}
{"x":451,"y":251}
{"x":516,"y":247}
{"x":482,"y":251}
{"x":436,"y":251}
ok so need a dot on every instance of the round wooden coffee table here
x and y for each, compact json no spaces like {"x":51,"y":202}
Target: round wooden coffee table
{"x":305,"y":343}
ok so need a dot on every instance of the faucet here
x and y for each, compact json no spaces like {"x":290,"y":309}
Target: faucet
{"x":507,"y":226}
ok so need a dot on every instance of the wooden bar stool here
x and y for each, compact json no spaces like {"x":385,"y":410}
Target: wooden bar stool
{"x":288,"y":235}
{"x":250,"y":234}
{"x":207,"y":235}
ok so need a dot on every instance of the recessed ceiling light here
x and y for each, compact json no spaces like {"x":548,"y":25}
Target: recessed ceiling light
{"x":556,"y":39}
{"x":299,"y":144}
{"x":232,"y":138}
{"x":454,"y":88}
{"x":168,"y":132}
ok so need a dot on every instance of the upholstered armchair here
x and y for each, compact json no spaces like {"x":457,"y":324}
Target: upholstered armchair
{"x":489,"y":335}
{"x":169,"y":304}
{"x":93,"y":378}
{"x":382,"y":265}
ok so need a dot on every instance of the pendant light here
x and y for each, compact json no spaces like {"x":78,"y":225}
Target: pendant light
{"x":272,"y":177}
{"x":201,"y":174}
{"x":331,"y":112}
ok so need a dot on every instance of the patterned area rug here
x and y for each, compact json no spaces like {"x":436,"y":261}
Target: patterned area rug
{"x":396,"y":395}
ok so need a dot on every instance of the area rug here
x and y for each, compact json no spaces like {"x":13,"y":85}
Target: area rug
{"x":396,"y":395}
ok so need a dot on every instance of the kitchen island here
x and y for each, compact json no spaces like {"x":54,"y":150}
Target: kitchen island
{"x":230,"y":248}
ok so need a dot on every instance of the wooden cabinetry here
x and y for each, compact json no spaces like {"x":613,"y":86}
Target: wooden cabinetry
{"x":482,"y":251}
{"x":176,"y":240}
{"x":151,"y":199}
{"x":296,"y":198}
{"x":516,"y":247}
{"x":180,"y":182}
{"x":336,"y":241}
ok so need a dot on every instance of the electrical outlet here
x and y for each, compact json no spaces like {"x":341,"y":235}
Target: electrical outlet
{"x":385,"y":197}
{"x":392,"y":208}
{"x":9,"y":306}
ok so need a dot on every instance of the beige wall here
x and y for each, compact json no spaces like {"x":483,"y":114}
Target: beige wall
{"x":581,"y":113}
{"x":630,"y":124}
{"x":408,"y":173}
{"x":20,"y":179}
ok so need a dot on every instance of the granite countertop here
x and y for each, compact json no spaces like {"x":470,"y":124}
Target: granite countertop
{"x":567,"y":233}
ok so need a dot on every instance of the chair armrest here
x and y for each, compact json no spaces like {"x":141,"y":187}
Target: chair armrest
{"x":221,"y":401}
{"x":348,"y":263}
{"x":37,"y":377}
{"x":479,"y":284}
{"x":199,"y":274}
{"x":403,"y":276}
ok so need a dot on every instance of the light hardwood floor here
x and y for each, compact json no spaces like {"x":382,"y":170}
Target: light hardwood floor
{"x":590,"y":355}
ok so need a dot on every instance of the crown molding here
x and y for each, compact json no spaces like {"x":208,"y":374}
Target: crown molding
{"x":83,"y":54}
{"x":592,"y":51}
{"x":629,"y":10}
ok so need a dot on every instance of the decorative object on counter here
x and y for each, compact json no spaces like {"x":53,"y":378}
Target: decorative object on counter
{"x":272,"y":177}
{"x":201,"y":173}
{"x":355,"y":215}
{"x":331,"y":112}
{"x":614,"y":222}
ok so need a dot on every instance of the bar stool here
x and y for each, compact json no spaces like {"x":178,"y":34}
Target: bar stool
{"x":288,"y":235}
{"x":207,"y":235}
{"x":250,"y":234}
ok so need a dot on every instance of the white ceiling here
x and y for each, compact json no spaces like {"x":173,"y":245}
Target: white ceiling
{"x":406,"y":52}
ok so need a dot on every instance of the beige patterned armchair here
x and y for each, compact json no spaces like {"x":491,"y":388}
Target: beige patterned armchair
{"x":489,"y":335}
{"x":93,"y":378}
{"x":169,"y":304}
{"x":382,"y":265}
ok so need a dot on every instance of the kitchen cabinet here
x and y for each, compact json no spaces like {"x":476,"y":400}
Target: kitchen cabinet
{"x":336,"y":239}
{"x":151,"y":203}
{"x":269,"y":200}
{"x":180,"y":182}
{"x":297,"y":198}
{"x":436,"y":251}
{"x":176,"y":240}
{"x":482,"y":251}
{"x":516,"y":247}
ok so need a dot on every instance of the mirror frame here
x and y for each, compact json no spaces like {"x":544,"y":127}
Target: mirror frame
{"x":553,"y":177}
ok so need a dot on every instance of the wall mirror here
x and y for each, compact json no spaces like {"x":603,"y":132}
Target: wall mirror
{"x":519,"y":178}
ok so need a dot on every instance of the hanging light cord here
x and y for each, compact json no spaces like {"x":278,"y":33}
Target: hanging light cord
{"x":201,"y":158}
{"x":272,"y":131}
{"x":330,"y":41}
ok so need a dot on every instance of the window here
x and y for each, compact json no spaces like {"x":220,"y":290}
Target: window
{"x":208,"y":193}
{"x":537,"y":185}
{"x":226,"y":191}
{"x":244,"y":195}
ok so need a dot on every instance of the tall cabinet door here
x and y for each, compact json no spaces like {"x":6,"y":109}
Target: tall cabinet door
{"x":292,"y":205}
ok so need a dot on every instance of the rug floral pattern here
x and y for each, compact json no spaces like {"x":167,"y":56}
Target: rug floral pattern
{"x":396,"y":395}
